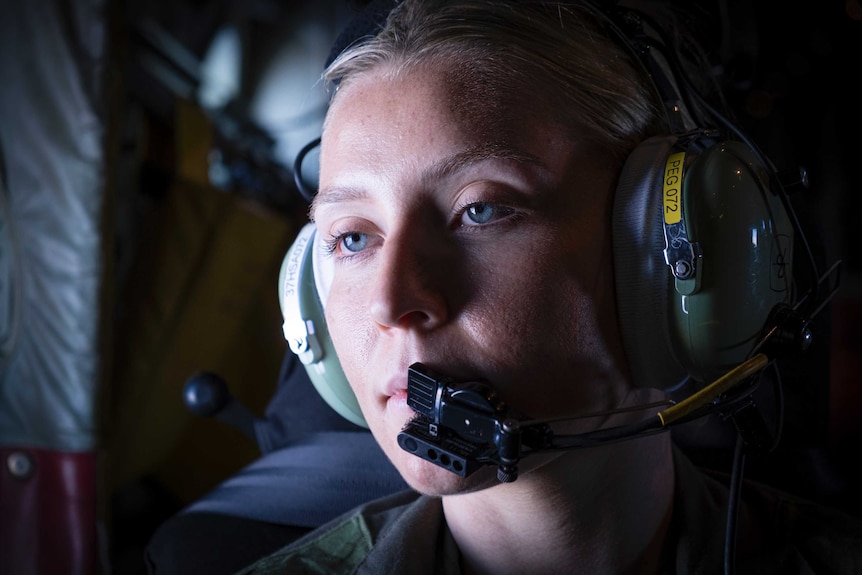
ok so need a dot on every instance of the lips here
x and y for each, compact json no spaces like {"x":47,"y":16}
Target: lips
{"x":396,"y":386}
{"x":394,"y":395}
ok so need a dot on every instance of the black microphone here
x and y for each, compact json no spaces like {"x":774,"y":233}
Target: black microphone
{"x":462,"y":426}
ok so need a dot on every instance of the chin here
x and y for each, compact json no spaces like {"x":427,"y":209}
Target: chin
{"x":430,"y":479}
{"x":424,"y":476}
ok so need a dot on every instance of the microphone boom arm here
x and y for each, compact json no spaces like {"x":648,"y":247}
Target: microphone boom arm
{"x":463,"y":426}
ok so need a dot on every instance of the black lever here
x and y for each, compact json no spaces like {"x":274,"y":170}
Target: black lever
{"x":207,"y":395}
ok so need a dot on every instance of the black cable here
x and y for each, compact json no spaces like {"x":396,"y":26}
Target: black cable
{"x":306,"y":192}
{"x":733,"y":506}
{"x":778,"y":386}
{"x":648,"y":426}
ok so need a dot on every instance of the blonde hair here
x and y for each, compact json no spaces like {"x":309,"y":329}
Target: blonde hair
{"x":547,"y":54}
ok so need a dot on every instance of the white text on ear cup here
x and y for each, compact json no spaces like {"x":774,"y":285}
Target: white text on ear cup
{"x":298,"y":330}
{"x":302,"y":284}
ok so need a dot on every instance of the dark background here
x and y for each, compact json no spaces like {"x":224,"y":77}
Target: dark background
{"x":791,"y":77}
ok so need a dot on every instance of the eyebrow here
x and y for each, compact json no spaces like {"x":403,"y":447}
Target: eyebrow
{"x":456,"y":162}
{"x":334,"y":195}
{"x":437,"y":171}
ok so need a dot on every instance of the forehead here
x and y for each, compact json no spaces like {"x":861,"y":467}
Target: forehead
{"x":469,"y":98}
{"x":390,"y":112}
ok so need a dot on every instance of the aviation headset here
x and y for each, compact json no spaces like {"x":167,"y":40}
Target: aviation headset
{"x":702,"y":233}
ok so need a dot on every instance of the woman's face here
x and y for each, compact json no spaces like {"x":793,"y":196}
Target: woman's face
{"x":470,"y":234}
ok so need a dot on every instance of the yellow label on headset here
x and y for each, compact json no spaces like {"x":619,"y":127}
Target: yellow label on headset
{"x":672,"y":188}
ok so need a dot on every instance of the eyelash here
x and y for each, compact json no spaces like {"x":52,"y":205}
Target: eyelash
{"x":503,"y":212}
{"x":331,"y":243}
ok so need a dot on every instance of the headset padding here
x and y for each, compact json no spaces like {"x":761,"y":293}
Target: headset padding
{"x":643,"y":280}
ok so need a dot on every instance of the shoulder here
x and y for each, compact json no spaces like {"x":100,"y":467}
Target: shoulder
{"x":804,"y":536}
{"x":776,"y":532}
{"x":340,"y":545}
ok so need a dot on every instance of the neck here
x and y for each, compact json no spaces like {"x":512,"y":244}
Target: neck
{"x":597,"y":510}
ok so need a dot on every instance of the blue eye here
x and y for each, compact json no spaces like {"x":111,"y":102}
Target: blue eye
{"x":482,"y":213}
{"x":354,"y":242}
{"x":479,"y":213}
{"x":346,"y":244}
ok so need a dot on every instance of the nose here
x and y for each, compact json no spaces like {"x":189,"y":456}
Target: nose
{"x":409,"y":291}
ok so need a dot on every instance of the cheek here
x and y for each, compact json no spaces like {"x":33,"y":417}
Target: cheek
{"x":552,"y":320}
{"x":348,"y":327}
